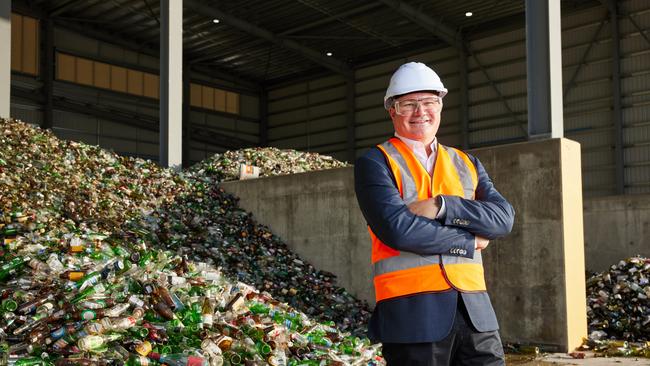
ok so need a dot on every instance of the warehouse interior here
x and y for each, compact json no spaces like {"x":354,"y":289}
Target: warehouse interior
{"x":261,"y":76}
{"x":310,"y":75}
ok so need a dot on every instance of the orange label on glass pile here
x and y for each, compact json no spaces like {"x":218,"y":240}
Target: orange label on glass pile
{"x":248,"y":172}
{"x":76,"y":248}
{"x":75,"y":276}
{"x":143,"y":348}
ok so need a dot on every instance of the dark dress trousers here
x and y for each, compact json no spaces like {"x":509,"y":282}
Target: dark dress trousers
{"x":428,"y":317}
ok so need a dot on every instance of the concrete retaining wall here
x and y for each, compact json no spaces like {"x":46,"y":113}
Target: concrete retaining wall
{"x":616,"y":227}
{"x":535,"y":275}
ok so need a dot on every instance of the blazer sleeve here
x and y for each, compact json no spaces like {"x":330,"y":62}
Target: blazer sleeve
{"x":489,"y":215}
{"x":393,"y":223}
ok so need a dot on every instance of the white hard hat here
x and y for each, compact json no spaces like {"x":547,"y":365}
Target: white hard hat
{"x":412,"y":77}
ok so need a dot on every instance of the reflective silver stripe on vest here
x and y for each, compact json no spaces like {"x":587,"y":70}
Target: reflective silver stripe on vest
{"x":463,"y":172}
{"x":465,"y":176}
{"x":404,"y":260}
{"x":409,"y":191}
{"x":452,"y":259}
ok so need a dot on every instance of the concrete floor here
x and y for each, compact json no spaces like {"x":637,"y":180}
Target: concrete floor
{"x":565,"y":359}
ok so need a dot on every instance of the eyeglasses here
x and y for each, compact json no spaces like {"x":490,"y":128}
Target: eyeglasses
{"x":408,"y":106}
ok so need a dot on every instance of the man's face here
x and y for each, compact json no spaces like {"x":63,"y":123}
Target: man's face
{"x":420,"y":125}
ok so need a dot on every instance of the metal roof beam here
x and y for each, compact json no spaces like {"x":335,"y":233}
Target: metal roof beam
{"x":62,"y":8}
{"x":331,"y":19}
{"x":337,"y":66}
{"x":438,"y":28}
{"x":210,"y":55}
{"x":133,"y":15}
{"x":83,"y":7}
{"x":359,"y":26}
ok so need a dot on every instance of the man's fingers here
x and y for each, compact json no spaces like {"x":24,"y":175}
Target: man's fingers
{"x":481,"y":242}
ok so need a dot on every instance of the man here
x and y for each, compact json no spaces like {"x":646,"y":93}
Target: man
{"x":431,"y":210}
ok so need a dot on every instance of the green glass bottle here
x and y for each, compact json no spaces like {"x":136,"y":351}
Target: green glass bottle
{"x":30,"y":361}
{"x":89,"y":279}
{"x":12,"y":266}
{"x":137,"y":360}
{"x":8,"y":305}
{"x":82,"y":295}
{"x":139,"y":332}
{"x":259,"y":308}
{"x":97,"y":342}
{"x":263,"y":348}
{"x":179,"y":359}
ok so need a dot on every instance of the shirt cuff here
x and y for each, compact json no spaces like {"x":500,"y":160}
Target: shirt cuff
{"x":442,"y":211}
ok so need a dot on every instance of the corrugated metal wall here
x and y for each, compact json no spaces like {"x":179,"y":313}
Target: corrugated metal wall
{"x":497,"y":89}
{"x":497,"y":98}
{"x":635,"y":89}
{"x":137,"y":139}
{"x":309,"y":116}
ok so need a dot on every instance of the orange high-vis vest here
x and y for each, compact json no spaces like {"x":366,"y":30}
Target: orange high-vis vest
{"x":397,"y":273}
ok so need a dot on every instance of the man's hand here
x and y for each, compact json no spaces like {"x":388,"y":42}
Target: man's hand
{"x":481,"y":242}
{"x":428,"y":208}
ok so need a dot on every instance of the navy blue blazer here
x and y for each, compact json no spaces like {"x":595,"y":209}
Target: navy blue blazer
{"x":428,"y":317}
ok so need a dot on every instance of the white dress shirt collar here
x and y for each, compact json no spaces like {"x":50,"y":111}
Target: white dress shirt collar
{"x":418,"y":147}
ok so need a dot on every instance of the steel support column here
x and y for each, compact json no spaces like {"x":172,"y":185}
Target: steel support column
{"x":187,"y":130}
{"x":171,"y":83}
{"x":351,"y":109}
{"x":264,"y":117}
{"x":47,"y":72}
{"x":463,"y":110}
{"x":616,"y":95}
{"x":5,"y":58}
{"x":544,"y":68}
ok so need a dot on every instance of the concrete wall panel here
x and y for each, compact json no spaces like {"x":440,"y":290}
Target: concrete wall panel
{"x":616,"y":227}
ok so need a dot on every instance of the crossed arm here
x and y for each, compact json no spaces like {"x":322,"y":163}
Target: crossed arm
{"x":467,"y":224}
